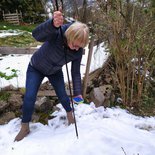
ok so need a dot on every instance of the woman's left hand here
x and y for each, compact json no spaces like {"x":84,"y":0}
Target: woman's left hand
{"x":78,"y":99}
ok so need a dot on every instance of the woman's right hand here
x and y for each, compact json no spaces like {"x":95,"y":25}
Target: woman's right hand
{"x":58,"y":19}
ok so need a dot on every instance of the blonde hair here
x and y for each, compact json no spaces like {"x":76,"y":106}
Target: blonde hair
{"x":78,"y":32}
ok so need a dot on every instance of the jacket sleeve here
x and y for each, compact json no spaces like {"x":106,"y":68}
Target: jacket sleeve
{"x":76,"y":77}
{"x":45,"y":31}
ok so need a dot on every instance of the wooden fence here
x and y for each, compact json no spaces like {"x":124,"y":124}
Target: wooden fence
{"x":17,"y":50}
{"x":13,"y":18}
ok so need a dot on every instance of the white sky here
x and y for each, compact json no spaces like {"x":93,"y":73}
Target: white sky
{"x":101,"y":131}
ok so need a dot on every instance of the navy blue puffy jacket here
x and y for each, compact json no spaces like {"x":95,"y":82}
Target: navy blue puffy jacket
{"x":50,"y":57}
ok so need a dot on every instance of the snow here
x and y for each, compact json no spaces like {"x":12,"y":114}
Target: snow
{"x":5,"y":33}
{"x":20,"y":63}
{"x":102,"y":131}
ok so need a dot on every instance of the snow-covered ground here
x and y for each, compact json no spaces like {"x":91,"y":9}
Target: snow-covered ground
{"x":5,"y":33}
{"x":101,"y":131}
{"x":20,"y":63}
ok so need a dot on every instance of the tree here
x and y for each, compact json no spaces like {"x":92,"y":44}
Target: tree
{"x":129,"y":32}
{"x":31,"y":9}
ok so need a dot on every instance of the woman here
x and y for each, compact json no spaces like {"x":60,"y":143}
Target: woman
{"x":48,"y":62}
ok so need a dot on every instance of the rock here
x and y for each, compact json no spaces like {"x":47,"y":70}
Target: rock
{"x":46,"y":86}
{"x":106,"y":90}
{"x":15,"y":101}
{"x":3,"y":106}
{"x":97,"y":97}
{"x":6,"y":117}
{"x":101,"y":95}
{"x":35,"y":117}
{"x":43,"y":105}
{"x":9,"y":87}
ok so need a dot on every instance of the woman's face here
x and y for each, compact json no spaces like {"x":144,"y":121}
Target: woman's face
{"x":74,"y":45}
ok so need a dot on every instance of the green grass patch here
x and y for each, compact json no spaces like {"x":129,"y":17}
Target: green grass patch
{"x":23,"y":39}
{"x":7,"y":26}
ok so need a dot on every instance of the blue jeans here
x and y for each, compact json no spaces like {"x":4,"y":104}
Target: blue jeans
{"x":33,"y":82}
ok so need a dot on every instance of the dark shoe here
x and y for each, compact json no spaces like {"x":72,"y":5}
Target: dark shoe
{"x":70,"y":118}
{"x":24,"y":131}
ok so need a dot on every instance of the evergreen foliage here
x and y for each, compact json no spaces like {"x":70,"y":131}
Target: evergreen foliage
{"x":32,"y":10}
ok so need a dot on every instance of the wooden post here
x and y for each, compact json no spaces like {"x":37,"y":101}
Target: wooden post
{"x":3,"y":15}
{"x":20,"y":16}
{"x":85,"y":81}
